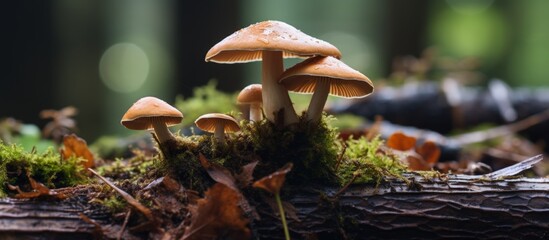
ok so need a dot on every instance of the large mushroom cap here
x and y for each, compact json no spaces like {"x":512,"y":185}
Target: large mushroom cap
{"x":250,"y":94}
{"x":247,"y":44}
{"x":146,"y":110}
{"x":344,"y":81}
{"x":209,"y":121}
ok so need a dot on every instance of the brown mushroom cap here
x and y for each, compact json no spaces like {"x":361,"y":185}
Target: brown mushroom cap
{"x":344,"y":81}
{"x":247,"y":44}
{"x":147,"y":110}
{"x":208,"y":122}
{"x":250,"y":94}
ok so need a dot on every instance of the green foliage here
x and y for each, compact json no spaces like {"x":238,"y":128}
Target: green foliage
{"x":205,"y":99}
{"x":364,"y":161}
{"x":47,"y":168}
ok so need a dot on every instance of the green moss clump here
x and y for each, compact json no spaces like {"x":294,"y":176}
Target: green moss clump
{"x":47,"y":168}
{"x":310,"y":147}
{"x":179,"y":159}
{"x":364,"y":161}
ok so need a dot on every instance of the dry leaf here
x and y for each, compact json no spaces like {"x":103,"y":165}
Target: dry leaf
{"x":75,"y":146}
{"x":429,"y":151}
{"x":273,"y":183}
{"x":401,"y":142}
{"x":38,"y":190}
{"x":245,"y":177}
{"x":218,"y":173}
{"x":217,"y":216}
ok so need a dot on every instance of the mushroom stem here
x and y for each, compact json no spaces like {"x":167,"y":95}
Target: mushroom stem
{"x":162,"y":132}
{"x":219,"y":133}
{"x":316,"y":106}
{"x":255,"y":112}
{"x":275,"y":96}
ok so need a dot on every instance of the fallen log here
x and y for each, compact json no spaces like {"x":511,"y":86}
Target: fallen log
{"x":437,"y":206}
{"x":455,"y":206}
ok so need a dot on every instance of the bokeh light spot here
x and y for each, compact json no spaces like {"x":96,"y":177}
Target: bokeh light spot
{"x":124,"y":67}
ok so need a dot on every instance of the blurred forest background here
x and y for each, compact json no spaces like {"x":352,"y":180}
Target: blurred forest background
{"x":100,"y":56}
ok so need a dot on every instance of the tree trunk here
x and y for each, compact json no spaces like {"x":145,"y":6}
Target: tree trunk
{"x":462,"y":207}
{"x":458,"y":206}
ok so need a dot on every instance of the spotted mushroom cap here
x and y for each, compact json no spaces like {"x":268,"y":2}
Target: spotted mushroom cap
{"x":247,"y":44}
{"x":208,"y":122}
{"x":146,"y":110}
{"x":344,"y":81}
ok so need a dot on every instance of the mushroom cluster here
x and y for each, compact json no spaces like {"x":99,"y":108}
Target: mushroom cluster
{"x":320,"y":74}
{"x":270,"y":42}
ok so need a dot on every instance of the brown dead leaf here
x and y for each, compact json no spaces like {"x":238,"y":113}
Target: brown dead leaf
{"x":401,"y":142}
{"x":76,"y":146}
{"x":218,"y":173}
{"x":245,"y":178}
{"x":61,"y":122}
{"x":429,"y":151}
{"x":273,"y":183}
{"x":416,"y":163}
{"x":38,"y":190}
{"x":217,"y":216}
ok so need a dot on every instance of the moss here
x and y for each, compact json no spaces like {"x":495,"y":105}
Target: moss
{"x":179,"y":159}
{"x":47,"y":168}
{"x":311,"y":147}
{"x":364,"y":161}
{"x":115,"y":203}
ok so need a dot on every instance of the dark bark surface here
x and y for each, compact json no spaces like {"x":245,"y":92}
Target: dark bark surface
{"x":453,"y":207}
{"x":48,"y":219}
{"x":460,"y":207}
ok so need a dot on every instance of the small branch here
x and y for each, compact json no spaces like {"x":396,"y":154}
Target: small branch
{"x":347,"y":185}
{"x":500,"y":131}
{"x":132,"y":201}
{"x":516,"y":168}
{"x":126,"y":219}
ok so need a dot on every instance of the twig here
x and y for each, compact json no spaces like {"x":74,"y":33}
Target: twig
{"x":340,"y":157}
{"x":132,"y":201}
{"x":516,"y":168}
{"x":503,"y":130}
{"x":347,"y":185}
{"x":126,"y":219}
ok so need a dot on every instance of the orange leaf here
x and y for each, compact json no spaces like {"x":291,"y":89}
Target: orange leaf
{"x":75,"y":146}
{"x":38,"y":190}
{"x":399,"y":141}
{"x":273,"y":183}
{"x":217,"y":216}
{"x":417,"y":164}
{"x":429,"y":151}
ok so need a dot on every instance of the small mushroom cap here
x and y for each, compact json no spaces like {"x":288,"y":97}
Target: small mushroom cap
{"x":146,"y":110}
{"x":250,"y":94}
{"x":208,"y":122}
{"x":247,"y":44}
{"x":344,"y":81}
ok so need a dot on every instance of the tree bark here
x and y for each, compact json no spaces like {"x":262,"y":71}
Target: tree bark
{"x":50,"y":219}
{"x":454,"y":207}
{"x":460,"y":207}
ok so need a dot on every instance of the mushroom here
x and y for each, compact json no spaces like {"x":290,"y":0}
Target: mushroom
{"x":270,"y":41}
{"x":218,"y":124}
{"x":152,"y":113}
{"x":251,"y":95}
{"x":322,"y":76}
